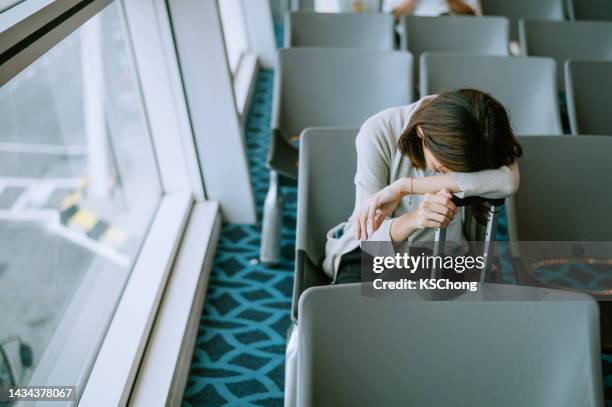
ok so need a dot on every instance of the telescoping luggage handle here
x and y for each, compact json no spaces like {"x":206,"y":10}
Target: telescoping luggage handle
{"x":440,"y":233}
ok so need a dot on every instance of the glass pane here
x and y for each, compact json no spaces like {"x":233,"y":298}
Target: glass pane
{"x":78,"y":190}
{"x":234,"y":31}
{"x":6,"y":4}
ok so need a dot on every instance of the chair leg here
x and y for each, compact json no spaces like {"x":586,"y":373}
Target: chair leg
{"x":272,"y":223}
{"x":291,"y":368}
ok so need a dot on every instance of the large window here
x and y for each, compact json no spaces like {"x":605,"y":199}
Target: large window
{"x":234,"y":31}
{"x":79,"y":188}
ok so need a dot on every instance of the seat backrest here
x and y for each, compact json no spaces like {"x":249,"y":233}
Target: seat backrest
{"x":590,"y":10}
{"x":516,"y":9}
{"x":562,"y":196}
{"x":302,"y":5}
{"x":326,"y":188}
{"x":565,"y":40}
{"x":340,"y":30}
{"x":525,"y":86}
{"x":397,"y":350}
{"x":338,"y":87}
{"x":588,"y":86}
{"x":474,"y":35}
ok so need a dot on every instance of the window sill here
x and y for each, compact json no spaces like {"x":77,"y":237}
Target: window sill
{"x":163,"y":373}
{"x":114,"y":370}
{"x":244,"y":84}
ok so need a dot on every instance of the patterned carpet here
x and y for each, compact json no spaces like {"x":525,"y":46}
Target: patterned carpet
{"x":239,"y":355}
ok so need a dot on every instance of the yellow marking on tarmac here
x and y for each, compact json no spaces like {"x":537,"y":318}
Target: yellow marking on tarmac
{"x":85,"y":219}
{"x":71,"y":200}
{"x":82,"y":183}
{"x":114,"y":236}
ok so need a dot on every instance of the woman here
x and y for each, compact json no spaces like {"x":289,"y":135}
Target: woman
{"x":410,"y":160}
{"x":430,"y":7}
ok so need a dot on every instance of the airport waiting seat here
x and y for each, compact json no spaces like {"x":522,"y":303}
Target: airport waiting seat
{"x":461,"y":34}
{"x":525,"y":86}
{"x":302,"y":5}
{"x":566,"y":40}
{"x":588,"y":86}
{"x":590,"y":10}
{"x":332,"y":87}
{"x":512,"y":346}
{"x":325,"y":87}
{"x":562,"y":198}
{"x":326,"y":197}
{"x":339,"y":30}
{"x":516,"y":9}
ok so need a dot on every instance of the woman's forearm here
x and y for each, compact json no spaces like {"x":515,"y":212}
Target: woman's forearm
{"x":404,"y":8}
{"x":428,"y":185}
{"x":459,"y":7}
{"x":402,"y":227}
{"x":491,"y":183}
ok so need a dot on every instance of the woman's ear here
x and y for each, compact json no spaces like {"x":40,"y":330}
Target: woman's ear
{"x":419,"y":132}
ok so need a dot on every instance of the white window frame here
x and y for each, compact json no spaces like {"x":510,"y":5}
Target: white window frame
{"x":245,"y":69}
{"x":233,"y":22}
{"x":122,"y":349}
{"x":261,"y":31}
{"x":216,"y":123}
{"x":260,"y":50}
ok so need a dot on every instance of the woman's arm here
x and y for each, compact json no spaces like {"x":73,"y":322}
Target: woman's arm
{"x":404,"y":8}
{"x":374,"y":155}
{"x":460,"y":7}
{"x":496,"y":183}
{"x":434,"y":211}
{"x":375,"y":211}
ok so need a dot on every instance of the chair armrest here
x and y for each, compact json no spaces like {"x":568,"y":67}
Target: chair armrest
{"x":282,"y":157}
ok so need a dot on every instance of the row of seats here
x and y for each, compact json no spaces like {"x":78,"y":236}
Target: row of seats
{"x":464,"y":344}
{"x":514,"y":10}
{"x":314,"y":90}
{"x":313,"y":79}
{"x":557,"y":169}
{"x":526,"y":87}
{"x":317,"y":87}
{"x":325,"y":87}
{"x":457,"y":342}
{"x":346,"y":360}
{"x":560,"y":40}
{"x":527,"y":90}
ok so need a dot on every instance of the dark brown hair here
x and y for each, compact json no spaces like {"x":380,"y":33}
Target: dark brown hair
{"x":466,"y":130}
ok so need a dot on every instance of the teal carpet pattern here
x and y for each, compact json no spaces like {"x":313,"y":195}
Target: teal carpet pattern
{"x":240,"y":349}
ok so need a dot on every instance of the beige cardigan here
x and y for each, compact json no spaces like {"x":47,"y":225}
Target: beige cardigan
{"x":379,"y":163}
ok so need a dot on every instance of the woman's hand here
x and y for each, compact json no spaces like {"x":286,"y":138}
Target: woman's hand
{"x":404,"y":9}
{"x":378,"y":208}
{"x":435,"y":210}
{"x":460,"y":7}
